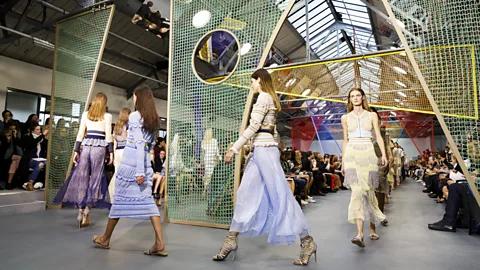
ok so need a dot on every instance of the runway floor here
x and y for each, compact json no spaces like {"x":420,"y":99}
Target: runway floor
{"x":50,"y":240}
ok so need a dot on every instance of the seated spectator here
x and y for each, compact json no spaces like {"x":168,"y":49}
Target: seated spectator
{"x":459,"y":197}
{"x":10,"y":155}
{"x":289,"y":174}
{"x":143,"y":13}
{"x":158,"y":162}
{"x":7,"y":118}
{"x":162,"y":25}
{"x":35,"y":149}
{"x":31,"y":120}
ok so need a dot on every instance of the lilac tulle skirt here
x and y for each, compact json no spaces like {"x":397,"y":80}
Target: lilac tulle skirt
{"x":87,"y":183}
{"x":265,"y":204}
{"x":131,"y":200}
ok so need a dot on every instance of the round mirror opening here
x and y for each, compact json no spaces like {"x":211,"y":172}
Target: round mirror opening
{"x":216,"y":56}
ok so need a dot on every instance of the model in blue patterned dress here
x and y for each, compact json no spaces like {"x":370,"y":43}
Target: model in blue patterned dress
{"x":132,"y":197}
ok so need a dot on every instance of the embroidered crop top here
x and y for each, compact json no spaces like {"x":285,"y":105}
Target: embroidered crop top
{"x":262,"y":124}
{"x":99,"y":133}
{"x":359,"y":126}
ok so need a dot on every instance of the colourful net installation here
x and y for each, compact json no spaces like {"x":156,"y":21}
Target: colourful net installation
{"x":195,"y":194}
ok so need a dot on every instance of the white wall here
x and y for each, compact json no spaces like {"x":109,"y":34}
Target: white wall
{"x":36,"y":79}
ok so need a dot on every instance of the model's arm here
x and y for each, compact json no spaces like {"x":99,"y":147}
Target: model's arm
{"x":389,"y":149}
{"x":256,"y":118}
{"x":345,"y":139}
{"x":81,"y":132}
{"x":136,"y":129}
{"x":378,"y":135}
{"x":108,"y":132}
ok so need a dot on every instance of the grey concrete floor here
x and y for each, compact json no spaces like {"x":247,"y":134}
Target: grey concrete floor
{"x":50,"y":240}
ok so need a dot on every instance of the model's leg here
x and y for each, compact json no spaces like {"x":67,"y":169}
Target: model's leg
{"x":104,"y":240}
{"x":308,"y":248}
{"x":156,"y":178}
{"x":162,"y":184}
{"x":159,"y":246}
{"x":95,"y":181}
{"x":230,"y":244}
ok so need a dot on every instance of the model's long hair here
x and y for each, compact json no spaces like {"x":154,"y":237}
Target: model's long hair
{"x":364,"y":102}
{"x":97,"y":111}
{"x":266,"y":85}
{"x":122,"y":120}
{"x":145,"y":105}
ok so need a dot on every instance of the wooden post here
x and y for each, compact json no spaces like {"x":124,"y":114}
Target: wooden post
{"x":169,"y":105}
{"x":434,"y":105}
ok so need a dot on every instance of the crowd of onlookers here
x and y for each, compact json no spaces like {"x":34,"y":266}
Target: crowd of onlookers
{"x":444,"y":181}
{"x":311,"y":174}
{"x":23,"y":151}
{"x":24,"y":145}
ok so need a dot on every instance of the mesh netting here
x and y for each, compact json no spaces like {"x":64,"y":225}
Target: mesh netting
{"x":388,"y":80}
{"x":77,"y":55}
{"x":454,"y":25}
{"x":200,"y":185}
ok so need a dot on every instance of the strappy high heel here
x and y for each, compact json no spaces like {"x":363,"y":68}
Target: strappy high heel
{"x":308,"y":248}
{"x":80,"y":217}
{"x":227,"y":248}
{"x":85,"y":218}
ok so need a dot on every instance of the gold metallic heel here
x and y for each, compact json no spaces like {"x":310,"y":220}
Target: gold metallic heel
{"x":308,"y":247}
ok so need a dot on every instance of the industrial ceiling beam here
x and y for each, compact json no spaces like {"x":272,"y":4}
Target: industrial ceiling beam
{"x":109,"y":33}
{"x":33,"y":22}
{"x":339,"y":19}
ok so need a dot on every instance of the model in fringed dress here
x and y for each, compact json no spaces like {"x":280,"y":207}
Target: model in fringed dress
{"x":133,"y":185}
{"x":265,"y":204}
{"x":87,"y":187}
{"x":360,"y":163}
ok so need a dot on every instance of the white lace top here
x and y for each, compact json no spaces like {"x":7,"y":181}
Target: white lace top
{"x":262,"y":124}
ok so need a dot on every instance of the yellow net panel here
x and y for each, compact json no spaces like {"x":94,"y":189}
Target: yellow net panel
{"x":388,"y":79}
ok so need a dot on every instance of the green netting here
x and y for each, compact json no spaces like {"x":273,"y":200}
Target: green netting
{"x":193,"y":195}
{"x":78,"y":49}
{"x":453,"y":23}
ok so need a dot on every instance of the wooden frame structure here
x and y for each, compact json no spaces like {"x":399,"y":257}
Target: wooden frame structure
{"x":92,"y":85}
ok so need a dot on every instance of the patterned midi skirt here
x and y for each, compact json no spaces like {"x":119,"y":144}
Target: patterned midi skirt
{"x":361,"y":176}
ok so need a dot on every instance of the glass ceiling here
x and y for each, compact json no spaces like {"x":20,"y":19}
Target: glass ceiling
{"x":325,"y":27}
{"x":330,"y":22}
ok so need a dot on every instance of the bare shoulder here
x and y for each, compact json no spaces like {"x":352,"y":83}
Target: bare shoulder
{"x":344,"y":118}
